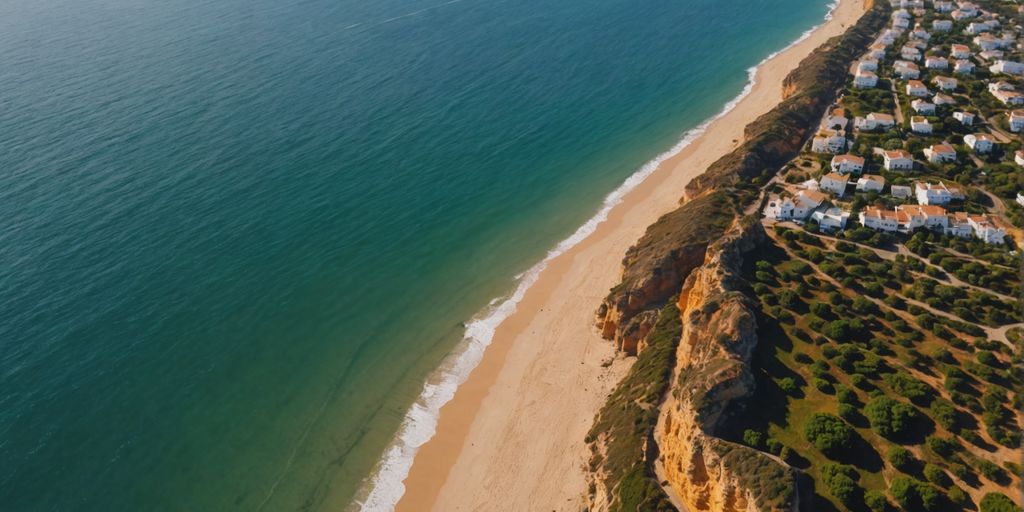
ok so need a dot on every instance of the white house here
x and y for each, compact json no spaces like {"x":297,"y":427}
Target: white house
{"x":835,"y":120}
{"x":960,"y":51}
{"x":846,"y":164}
{"x":968,"y":8}
{"x":1008,"y":67}
{"x":920,"y":124}
{"x":904,"y":218}
{"x":979,"y":142}
{"x":831,"y":219}
{"x":906,"y":70}
{"x":942,"y":6}
{"x":874,"y":121}
{"x":977,"y":27}
{"x":1018,"y":157}
{"x":835,"y":183}
{"x":917,"y":88}
{"x":828,"y":141}
{"x":989,"y":229}
{"x":936,"y":193}
{"x":934,"y":62}
{"x":940,"y":153}
{"x":1009,"y":97}
{"x":988,"y":42}
{"x":876,"y":51}
{"x":1016,"y":120}
{"x":795,"y":208}
{"x":991,"y":55}
{"x":922,"y":107}
{"x":1020,"y":198}
{"x":945,"y":83}
{"x":942,"y":25}
{"x":910,"y":53}
{"x":897,"y":160}
{"x":901,"y":191}
{"x":963,"y":66}
{"x":865,"y":80}
{"x":879,"y":219}
{"x":870,"y":183}
{"x":965,"y":118}
{"x":1001,"y":85}
{"x":943,"y":99}
{"x":959,"y":15}
{"x":867,"y":65}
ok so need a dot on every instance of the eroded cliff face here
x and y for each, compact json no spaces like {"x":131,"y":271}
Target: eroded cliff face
{"x":654,"y":268}
{"x":712,"y":374}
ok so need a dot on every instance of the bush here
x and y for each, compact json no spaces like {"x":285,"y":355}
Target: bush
{"x":936,"y":475}
{"x":752,"y":438}
{"x":998,"y":502}
{"x":900,"y":458}
{"x":829,"y":434}
{"x":841,"y":482}
{"x":875,"y":501}
{"x":888,"y":417}
{"x":913,"y":494}
{"x":941,"y":446}
{"x":957,"y":496}
{"x":990,"y":470}
{"x":787,"y":385}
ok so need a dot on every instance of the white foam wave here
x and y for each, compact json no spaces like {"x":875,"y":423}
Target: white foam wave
{"x":386,"y":486}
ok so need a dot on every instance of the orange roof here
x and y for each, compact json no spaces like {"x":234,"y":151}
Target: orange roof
{"x":898,"y":153}
{"x":943,"y":148}
{"x":848,"y":158}
{"x":836,"y":177}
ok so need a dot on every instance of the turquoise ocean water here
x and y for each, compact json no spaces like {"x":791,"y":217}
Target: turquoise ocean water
{"x":238,"y":236}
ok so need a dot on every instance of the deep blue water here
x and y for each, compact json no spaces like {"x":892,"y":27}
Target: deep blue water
{"x":237,"y":235}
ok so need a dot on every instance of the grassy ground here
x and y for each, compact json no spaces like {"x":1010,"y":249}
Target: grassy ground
{"x":826,"y":347}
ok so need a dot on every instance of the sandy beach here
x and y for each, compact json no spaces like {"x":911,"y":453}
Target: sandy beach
{"x":513,"y":436}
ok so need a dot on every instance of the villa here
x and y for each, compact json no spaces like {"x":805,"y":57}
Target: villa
{"x":936,"y":63}
{"x":942,"y":26}
{"x":917,"y":88}
{"x":835,"y":183}
{"x":865,"y":80}
{"x":991,"y":55}
{"x":898,"y":160}
{"x":867,"y":65}
{"x":943,"y":99}
{"x":1016,"y":120}
{"x":980,"y":143}
{"x":936,"y":193}
{"x":940,"y":154}
{"x":907,"y":70}
{"x":846,"y":164}
{"x":965,"y":118}
{"x":945,"y":83}
{"x":870,"y":183}
{"x":922,"y":107}
{"x":1018,"y":157}
{"x":875,"y":120}
{"x":904,"y":218}
{"x":1009,"y":97}
{"x":1000,"y":86}
{"x":910,"y":53}
{"x":900,"y":191}
{"x":828,"y":141}
{"x":960,"y":51}
{"x":796,"y":208}
{"x":1008,"y":67}
{"x":831,"y":219}
{"x":964,"y":67}
{"x":835,"y":120}
{"x":920,"y":124}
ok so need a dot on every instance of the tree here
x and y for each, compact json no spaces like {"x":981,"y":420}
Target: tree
{"x":936,"y":475}
{"x":888,"y":417}
{"x":900,"y":458}
{"x":841,"y":482}
{"x":875,"y":501}
{"x":752,"y":437}
{"x":829,"y":434}
{"x":998,"y":502}
{"x":913,"y":494}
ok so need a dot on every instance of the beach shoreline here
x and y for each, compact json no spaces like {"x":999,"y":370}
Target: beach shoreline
{"x":512,"y":437}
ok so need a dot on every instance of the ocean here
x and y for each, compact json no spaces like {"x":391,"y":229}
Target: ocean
{"x":239,"y":236}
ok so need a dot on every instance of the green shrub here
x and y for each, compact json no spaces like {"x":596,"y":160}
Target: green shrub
{"x":936,"y":475}
{"x":957,"y":496}
{"x":888,"y":417}
{"x":900,"y":458}
{"x":841,"y":482}
{"x":913,"y":494}
{"x":998,"y":502}
{"x":787,"y":385}
{"x":875,"y":501}
{"x":752,"y":438}
{"x":829,"y":434}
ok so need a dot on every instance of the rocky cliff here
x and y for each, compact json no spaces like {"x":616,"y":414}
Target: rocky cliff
{"x":712,"y":373}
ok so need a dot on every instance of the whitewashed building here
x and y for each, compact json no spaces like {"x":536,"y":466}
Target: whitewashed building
{"x":897,"y":160}
{"x":831,"y":219}
{"x":945,"y":83}
{"x":828,"y":141}
{"x":847,"y":164}
{"x":920,"y":124}
{"x":923,"y":107}
{"x":917,"y":88}
{"x":1016,"y":120}
{"x":979,"y":142}
{"x":965,"y":118}
{"x":875,"y":121}
{"x":870,"y":183}
{"x":936,"y":193}
{"x":834,"y":183}
{"x":900,"y":191}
